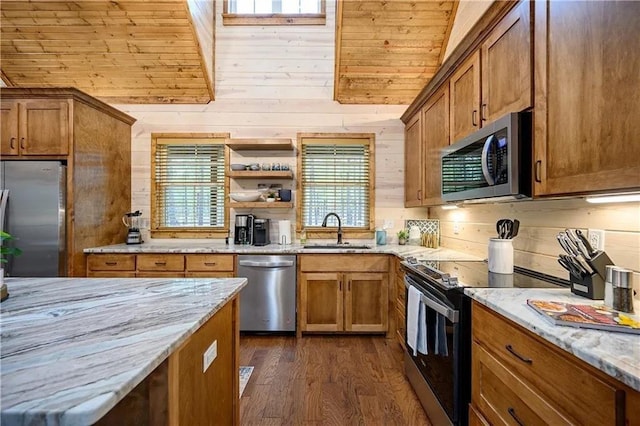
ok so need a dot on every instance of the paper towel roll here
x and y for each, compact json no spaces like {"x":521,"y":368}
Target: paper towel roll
{"x":284,"y":235}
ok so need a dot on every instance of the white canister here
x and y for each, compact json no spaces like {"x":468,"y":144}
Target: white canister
{"x":284,"y":232}
{"x":500,"y":256}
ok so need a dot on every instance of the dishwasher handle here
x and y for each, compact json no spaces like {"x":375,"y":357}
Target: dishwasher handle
{"x":268,"y":264}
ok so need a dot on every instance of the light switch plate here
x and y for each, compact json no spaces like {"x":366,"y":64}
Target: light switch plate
{"x":209,"y":355}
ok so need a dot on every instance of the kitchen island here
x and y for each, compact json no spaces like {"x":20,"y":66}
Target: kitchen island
{"x":77,"y":351}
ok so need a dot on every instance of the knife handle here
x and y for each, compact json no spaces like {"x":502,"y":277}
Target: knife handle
{"x":585,"y":241}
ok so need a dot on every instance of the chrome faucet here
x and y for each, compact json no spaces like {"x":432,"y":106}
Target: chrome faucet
{"x":324,"y":224}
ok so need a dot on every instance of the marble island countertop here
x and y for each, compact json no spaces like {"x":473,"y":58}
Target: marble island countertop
{"x":614,"y":353}
{"x":190,"y":246}
{"x":73,"y":347}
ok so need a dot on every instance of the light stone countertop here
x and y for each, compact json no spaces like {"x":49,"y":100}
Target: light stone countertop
{"x":198,"y":246}
{"x":73,"y":347}
{"x":617,"y":354}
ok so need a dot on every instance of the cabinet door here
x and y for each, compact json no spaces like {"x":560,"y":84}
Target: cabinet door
{"x":586,"y":101}
{"x":464,"y":87}
{"x":321,"y":303}
{"x":435,"y":122}
{"x":44,"y":127}
{"x":9,"y":128}
{"x":366,"y":302}
{"x":507,"y":66}
{"x":413,"y":162}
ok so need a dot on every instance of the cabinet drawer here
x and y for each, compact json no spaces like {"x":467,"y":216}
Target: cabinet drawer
{"x":572,"y":388}
{"x":505,"y":399}
{"x":344,"y":263}
{"x":222,"y":274}
{"x":111,"y":262}
{"x":110,"y":274}
{"x":207,"y":262}
{"x":160,"y":262}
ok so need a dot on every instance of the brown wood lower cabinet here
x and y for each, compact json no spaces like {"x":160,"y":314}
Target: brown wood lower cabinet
{"x":343,"y":301}
{"x":518,"y":378}
{"x":155,"y":265}
{"x":179,"y":392}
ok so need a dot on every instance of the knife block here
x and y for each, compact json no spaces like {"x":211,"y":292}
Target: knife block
{"x":592,"y":286}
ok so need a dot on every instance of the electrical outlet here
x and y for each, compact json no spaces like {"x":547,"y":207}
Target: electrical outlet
{"x":388,"y":224}
{"x":456,"y":228}
{"x":596,"y":238}
{"x":210,"y":354}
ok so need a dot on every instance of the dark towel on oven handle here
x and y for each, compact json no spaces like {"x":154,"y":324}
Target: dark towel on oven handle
{"x":440,"y":344}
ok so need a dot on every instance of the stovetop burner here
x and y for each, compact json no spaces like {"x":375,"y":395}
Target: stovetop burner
{"x":459,"y":274}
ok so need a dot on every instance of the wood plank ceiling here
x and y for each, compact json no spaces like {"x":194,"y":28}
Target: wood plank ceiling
{"x":387,"y":51}
{"x":124,"y":51}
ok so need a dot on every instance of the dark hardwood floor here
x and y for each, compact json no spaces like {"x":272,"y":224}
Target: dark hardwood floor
{"x":326,"y":380}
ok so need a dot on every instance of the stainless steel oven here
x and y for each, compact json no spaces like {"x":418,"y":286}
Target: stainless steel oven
{"x":441,"y":377}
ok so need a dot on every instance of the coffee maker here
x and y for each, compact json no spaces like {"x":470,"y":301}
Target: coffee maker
{"x":132,"y":220}
{"x":244,"y":229}
{"x":261,"y":232}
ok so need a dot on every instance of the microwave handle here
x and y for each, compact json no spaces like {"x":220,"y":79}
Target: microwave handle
{"x":485,"y":161}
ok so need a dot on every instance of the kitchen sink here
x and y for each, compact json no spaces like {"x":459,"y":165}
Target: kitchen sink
{"x":336,"y":246}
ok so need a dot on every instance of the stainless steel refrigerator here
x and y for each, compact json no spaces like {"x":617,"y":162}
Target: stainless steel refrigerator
{"x":33,"y":212}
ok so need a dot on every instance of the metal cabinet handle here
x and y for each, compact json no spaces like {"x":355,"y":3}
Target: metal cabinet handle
{"x":161,"y":263}
{"x":517,"y":355}
{"x":512,"y":413}
{"x":12,"y":143}
{"x":538,"y":176}
{"x":483,"y":112}
{"x":210,"y":263}
{"x":473,"y":118}
{"x":22,"y":143}
{"x":419,"y":194}
{"x":110,"y":263}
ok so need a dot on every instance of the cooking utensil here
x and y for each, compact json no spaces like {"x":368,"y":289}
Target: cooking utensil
{"x":573,"y":236}
{"x":585,"y":241}
{"x":504,"y":228}
{"x":565,"y":243}
{"x":515,"y":228}
{"x":569,"y":267}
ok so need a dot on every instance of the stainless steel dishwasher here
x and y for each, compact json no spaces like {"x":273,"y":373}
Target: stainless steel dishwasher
{"x":268,"y":302}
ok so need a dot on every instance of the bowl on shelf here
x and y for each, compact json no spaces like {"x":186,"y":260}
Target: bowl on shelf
{"x":238,"y":167}
{"x":254,"y":167}
{"x":245,"y":197}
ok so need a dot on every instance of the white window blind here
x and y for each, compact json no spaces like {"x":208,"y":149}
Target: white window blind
{"x":274,"y":6}
{"x":336,"y":178}
{"x":189,"y":185}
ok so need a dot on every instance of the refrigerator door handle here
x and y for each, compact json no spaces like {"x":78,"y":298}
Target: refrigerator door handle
{"x":62,"y":214}
{"x":4,"y":197}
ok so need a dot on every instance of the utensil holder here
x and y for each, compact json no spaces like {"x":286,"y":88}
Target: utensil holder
{"x":599,"y":264}
{"x":500,"y":257}
{"x":592,"y":286}
{"x":589,"y":286}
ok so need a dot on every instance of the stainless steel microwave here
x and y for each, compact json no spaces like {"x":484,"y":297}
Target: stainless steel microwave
{"x":492,"y":164}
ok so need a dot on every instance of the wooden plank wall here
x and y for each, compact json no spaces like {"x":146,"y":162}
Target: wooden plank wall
{"x":540,"y":221}
{"x":275,"y":82}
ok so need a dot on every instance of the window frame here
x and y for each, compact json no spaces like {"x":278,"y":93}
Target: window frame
{"x":274,"y":18}
{"x":158,"y":231}
{"x":317,"y":232}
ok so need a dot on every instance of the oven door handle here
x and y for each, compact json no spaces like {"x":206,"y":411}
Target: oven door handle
{"x":451,"y":314}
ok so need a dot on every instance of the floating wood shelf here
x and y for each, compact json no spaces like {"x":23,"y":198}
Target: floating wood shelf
{"x":260,"y":174}
{"x":273,"y":144}
{"x":261,"y":205}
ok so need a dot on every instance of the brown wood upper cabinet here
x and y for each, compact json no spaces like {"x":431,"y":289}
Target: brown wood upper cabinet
{"x":586,"y":97}
{"x":35,"y":127}
{"x":497,"y":78}
{"x":341,"y":299}
{"x":413,"y":161}
{"x":425,"y":135}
